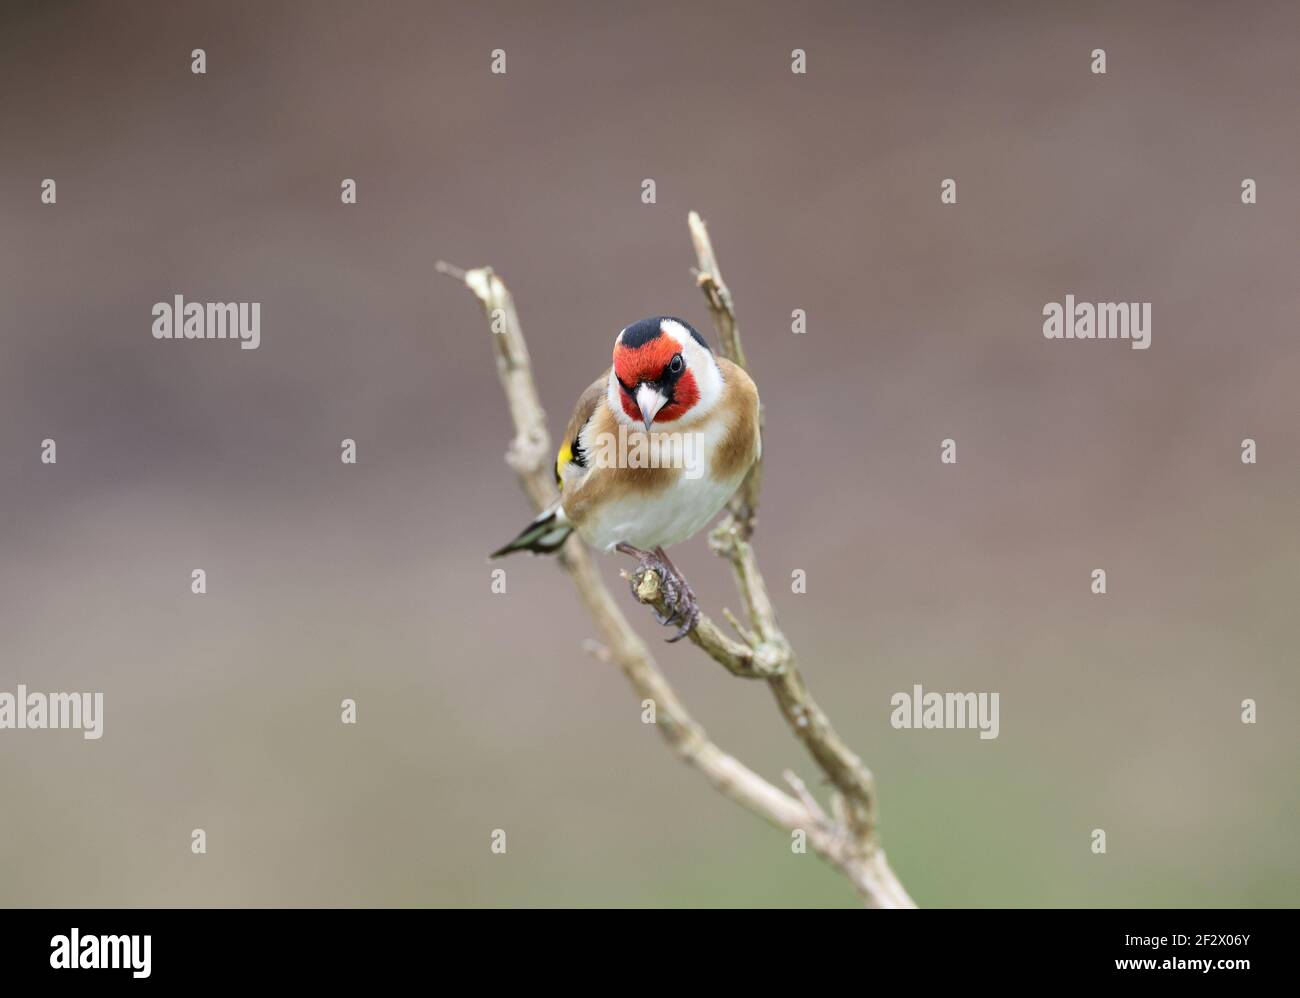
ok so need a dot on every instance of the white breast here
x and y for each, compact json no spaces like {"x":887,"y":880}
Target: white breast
{"x":669,"y":516}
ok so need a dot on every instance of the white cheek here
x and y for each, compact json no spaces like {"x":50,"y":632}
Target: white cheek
{"x":708,"y":379}
{"x":614,"y":397}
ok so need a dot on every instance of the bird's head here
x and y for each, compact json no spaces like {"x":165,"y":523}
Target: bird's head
{"x":662,"y":370}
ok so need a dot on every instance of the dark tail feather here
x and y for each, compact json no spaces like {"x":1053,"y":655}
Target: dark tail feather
{"x":542,"y":536}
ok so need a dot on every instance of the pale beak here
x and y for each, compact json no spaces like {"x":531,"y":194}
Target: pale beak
{"x":649,"y":400}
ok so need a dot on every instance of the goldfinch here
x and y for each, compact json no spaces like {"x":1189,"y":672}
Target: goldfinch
{"x":655,"y":448}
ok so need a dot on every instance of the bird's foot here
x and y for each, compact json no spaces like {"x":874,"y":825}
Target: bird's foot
{"x":678,"y":596}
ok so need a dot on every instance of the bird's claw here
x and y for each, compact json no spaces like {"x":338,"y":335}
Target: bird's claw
{"x":687,"y":612}
{"x":678,"y":597}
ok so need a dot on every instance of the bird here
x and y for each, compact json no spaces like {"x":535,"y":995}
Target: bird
{"x":655,"y":448}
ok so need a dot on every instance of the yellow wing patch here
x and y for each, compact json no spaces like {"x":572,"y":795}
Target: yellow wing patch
{"x":561,"y":461}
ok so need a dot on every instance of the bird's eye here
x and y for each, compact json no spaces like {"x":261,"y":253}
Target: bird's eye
{"x":676,"y":364}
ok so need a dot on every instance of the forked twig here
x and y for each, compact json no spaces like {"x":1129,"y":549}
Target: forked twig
{"x":846,"y":838}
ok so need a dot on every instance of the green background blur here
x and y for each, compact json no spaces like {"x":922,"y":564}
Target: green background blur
{"x":479,"y":711}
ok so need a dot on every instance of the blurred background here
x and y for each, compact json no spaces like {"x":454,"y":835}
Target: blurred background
{"x":479,"y":711}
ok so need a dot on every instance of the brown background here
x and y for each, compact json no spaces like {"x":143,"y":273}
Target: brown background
{"x":479,"y":711}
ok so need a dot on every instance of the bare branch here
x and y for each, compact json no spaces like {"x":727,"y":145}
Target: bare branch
{"x":745,"y":633}
{"x":620,"y":643}
{"x":716,"y":292}
{"x":738,"y":659}
{"x":731,"y":540}
{"x":744,"y":506}
{"x":847,"y":842}
{"x":801,"y":791}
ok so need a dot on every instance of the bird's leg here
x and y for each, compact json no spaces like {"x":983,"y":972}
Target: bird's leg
{"x":679,"y":599}
{"x":686,"y":609}
{"x":647,"y":561}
